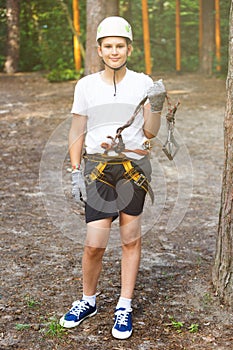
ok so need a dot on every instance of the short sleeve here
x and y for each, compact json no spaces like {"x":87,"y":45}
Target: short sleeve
{"x":148,"y":82}
{"x":80,"y":102}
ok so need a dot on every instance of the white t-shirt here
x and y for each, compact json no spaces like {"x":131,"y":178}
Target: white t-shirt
{"x":105,"y":112}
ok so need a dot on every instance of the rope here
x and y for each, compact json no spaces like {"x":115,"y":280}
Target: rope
{"x":118,"y":145}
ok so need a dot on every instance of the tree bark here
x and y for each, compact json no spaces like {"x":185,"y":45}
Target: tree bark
{"x":111,"y":8}
{"x":97,"y":10}
{"x":207,"y":45}
{"x":223,"y":266}
{"x":13,"y":36}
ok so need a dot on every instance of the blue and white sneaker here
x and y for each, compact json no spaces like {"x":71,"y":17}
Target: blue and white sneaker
{"x":122,"y":328}
{"x":80,"y":310}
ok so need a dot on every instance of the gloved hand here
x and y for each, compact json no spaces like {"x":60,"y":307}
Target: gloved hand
{"x":79,"y":187}
{"x":156,"y":95}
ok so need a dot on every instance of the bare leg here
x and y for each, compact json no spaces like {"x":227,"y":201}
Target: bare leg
{"x":131,"y":252}
{"x":95,"y":245}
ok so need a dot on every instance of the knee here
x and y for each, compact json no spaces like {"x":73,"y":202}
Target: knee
{"x":94,"y":252}
{"x":132,"y":245}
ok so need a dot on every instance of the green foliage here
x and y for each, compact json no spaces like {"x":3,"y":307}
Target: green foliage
{"x":193,"y":328}
{"x":47,"y":40}
{"x":179,"y":326}
{"x":22,"y":326}
{"x":31,"y":302}
{"x":56,"y":39}
{"x":44,"y":34}
{"x":224,"y":27}
{"x":176,"y":324}
{"x":62,"y":72}
{"x":29,"y":37}
{"x":54,"y":329}
{"x":162,"y":33}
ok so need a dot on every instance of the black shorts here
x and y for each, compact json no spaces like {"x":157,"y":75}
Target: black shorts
{"x":115,"y":193}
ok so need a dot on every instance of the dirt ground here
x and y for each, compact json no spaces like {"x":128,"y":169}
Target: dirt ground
{"x":175,"y":306}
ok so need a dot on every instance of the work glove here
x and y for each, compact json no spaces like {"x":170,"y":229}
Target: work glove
{"x":157,"y":94}
{"x":79,"y":188}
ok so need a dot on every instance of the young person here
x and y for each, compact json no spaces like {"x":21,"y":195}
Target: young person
{"x":117,"y":170}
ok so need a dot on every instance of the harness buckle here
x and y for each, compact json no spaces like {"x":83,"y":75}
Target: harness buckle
{"x":96,"y":174}
{"x":140,"y":181}
{"x":88,"y":179}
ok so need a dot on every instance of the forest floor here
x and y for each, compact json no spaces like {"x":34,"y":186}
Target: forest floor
{"x":175,"y":306}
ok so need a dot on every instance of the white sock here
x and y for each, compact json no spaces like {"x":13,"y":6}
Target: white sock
{"x":124,"y":303}
{"x":91,"y":299}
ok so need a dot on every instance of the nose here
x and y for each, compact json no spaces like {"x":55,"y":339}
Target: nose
{"x":114,"y":50}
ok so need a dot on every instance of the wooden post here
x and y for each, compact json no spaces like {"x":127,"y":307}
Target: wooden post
{"x":217,"y":35}
{"x":146,"y":36}
{"x":77,"y":51}
{"x":178,"y":41}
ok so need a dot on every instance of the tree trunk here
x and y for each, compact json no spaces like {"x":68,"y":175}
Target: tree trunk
{"x":97,"y":10}
{"x":13,"y":36}
{"x":207,"y":45}
{"x":223,"y":267}
{"x":111,"y":8}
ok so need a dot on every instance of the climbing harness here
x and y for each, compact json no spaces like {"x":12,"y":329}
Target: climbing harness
{"x":130,"y":174}
{"x":171,"y":147}
{"x":139,"y":178}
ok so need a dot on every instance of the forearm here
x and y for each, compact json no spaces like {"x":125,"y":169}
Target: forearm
{"x":152,"y":122}
{"x":76,"y":152}
{"x":152,"y":111}
{"x":76,"y":139}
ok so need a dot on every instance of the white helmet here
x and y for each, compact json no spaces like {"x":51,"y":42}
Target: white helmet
{"x":114,"y":26}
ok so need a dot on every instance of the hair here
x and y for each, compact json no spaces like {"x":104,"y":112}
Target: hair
{"x":128,"y":41}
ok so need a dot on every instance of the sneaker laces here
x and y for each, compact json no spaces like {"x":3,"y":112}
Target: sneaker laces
{"x":78,"y":307}
{"x":122,"y":316}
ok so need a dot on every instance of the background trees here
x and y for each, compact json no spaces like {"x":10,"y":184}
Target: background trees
{"x":13,"y":36}
{"x":46,"y":41}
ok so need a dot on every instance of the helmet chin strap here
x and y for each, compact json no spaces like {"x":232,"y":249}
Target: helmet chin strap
{"x":114,"y":73}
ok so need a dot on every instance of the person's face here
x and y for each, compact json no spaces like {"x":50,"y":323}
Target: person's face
{"x":114,"y":51}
